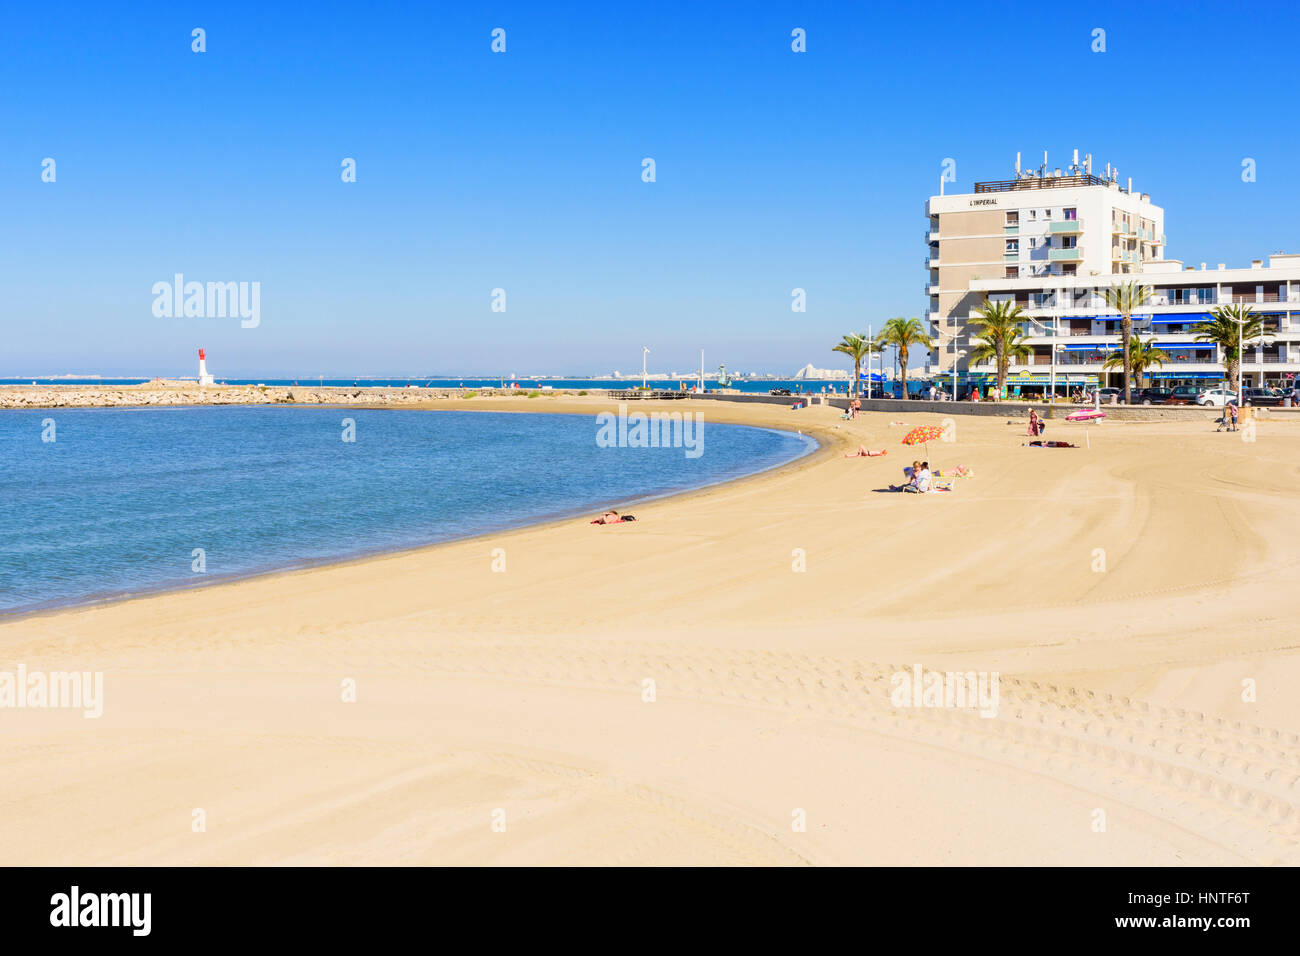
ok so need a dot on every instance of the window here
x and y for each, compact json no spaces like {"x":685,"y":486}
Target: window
{"x":1069,"y":242}
{"x":1070,"y":270}
{"x":1047,"y":214}
{"x":1070,"y":214}
{"x":1033,"y":243}
{"x":1012,"y":272}
{"x":1033,"y":214}
{"x":1013,"y":218}
{"x":1013,"y":245}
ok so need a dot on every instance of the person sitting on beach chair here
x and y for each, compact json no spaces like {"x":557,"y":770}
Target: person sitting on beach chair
{"x":909,"y":472}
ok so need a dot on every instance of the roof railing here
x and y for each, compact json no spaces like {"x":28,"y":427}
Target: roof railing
{"x":1047,"y":182}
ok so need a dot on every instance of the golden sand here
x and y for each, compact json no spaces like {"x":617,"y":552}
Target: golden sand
{"x":1133,"y":598}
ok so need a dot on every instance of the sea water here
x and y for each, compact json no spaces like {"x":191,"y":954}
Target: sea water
{"x":104,"y":502}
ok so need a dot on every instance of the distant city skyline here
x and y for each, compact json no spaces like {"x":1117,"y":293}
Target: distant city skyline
{"x":486,"y":179}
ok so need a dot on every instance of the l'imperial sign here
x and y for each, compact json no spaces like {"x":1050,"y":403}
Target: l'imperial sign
{"x":983,"y":202}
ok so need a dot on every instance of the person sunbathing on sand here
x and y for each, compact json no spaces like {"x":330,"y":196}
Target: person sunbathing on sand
{"x":612,"y":517}
{"x":864,"y":452}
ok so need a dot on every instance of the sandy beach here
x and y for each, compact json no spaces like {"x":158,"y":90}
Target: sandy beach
{"x":1122,"y":593}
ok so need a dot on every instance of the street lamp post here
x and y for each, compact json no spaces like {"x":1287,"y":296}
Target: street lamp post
{"x":870,"y":346}
{"x":1052,"y":377}
{"x":1056,"y":347}
{"x":1241,"y":357}
{"x":956,"y":355}
{"x":1056,"y":322}
{"x":644,"y":352}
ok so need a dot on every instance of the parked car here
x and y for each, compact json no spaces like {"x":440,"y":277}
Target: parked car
{"x":1152,"y":396}
{"x":1261,"y":396}
{"x":1185,"y":395}
{"x":1106,"y":393}
{"x":1216,"y":396}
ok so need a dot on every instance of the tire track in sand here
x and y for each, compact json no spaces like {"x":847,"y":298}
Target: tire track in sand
{"x":1231,"y":783}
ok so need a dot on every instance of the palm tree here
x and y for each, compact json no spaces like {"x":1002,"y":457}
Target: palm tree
{"x":1000,"y":337}
{"x":1228,"y":327}
{"x":856,"y":346}
{"x":1141,"y":356}
{"x":902,"y":334}
{"x":1126,"y":299}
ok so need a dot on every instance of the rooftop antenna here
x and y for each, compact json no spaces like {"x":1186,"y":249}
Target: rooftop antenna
{"x":1108,"y":170}
{"x":1074,"y":167}
{"x":1017,"y":165}
{"x":1087,"y":164}
{"x":1130,"y":184}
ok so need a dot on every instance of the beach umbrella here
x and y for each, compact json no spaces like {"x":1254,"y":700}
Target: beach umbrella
{"x":1087,"y":416}
{"x":923,"y":434}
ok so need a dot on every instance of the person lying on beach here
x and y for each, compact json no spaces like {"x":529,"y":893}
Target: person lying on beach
{"x":864,"y":452}
{"x":612,"y":517}
{"x":1050,"y":444}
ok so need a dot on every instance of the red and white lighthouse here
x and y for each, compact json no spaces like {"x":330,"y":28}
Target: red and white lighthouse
{"x":204,"y":377}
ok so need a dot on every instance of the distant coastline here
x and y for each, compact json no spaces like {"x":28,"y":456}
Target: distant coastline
{"x":380,"y":392}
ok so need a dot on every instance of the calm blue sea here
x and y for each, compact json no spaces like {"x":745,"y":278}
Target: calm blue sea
{"x":121,"y":499}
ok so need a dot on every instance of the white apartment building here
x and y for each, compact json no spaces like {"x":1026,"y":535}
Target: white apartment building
{"x":1051,"y":243}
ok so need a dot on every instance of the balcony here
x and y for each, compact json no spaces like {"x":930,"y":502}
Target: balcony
{"x":1067,"y":227}
{"x":1012,"y":230}
{"x":1064,"y":255}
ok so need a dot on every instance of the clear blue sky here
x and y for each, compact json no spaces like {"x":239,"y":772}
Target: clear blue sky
{"x":523,"y":170}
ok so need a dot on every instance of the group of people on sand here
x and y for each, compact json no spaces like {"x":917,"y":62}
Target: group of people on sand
{"x":1036,"y":425}
{"x":919,"y":479}
{"x":1229,"y":419}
